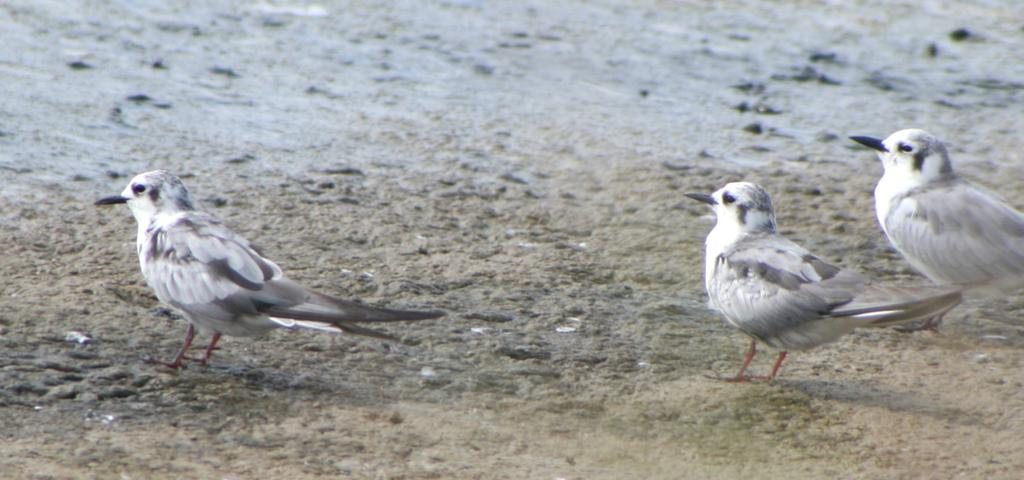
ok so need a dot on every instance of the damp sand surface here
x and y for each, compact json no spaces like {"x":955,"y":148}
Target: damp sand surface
{"x":520,"y":165}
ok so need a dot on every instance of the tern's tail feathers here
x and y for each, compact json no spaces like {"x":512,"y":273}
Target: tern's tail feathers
{"x":321,"y":312}
{"x":885,"y":306}
{"x":339,"y":327}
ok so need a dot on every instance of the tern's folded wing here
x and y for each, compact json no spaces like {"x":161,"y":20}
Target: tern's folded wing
{"x":958,"y":234}
{"x":202,"y":267}
{"x":768,"y":286}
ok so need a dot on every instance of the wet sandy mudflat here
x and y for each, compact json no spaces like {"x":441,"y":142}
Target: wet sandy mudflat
{"x":520,"y":165}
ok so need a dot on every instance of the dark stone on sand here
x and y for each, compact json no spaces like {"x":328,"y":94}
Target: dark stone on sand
{"x":754,"y":128}
{"x":216,"y":202}
{"x":242,"y":159}
{"x":759,"y":108}
{"x":344,"y":171}
{"x":117,"y":393}
{"x":523,"y":352}
{"x":227,"y":72}
{"x":750,"y":87}
{"x":494,"y":317}
{"x":960,"y":34}
{"x":823,"y":57}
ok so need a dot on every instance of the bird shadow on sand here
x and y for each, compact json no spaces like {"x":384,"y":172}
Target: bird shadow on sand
{"x":222,"y":385}
{"x":871,"y":396}
{"x":299,"y":385}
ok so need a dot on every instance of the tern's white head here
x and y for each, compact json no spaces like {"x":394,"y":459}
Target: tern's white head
{"x":741,"y":206}
{"x":914,"y":156}
{"x":151,"y":193}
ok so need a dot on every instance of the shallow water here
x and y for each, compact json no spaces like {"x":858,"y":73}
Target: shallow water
{"x":297,"y":86}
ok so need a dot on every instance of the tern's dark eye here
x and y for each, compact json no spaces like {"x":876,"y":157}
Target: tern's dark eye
{"x":904,"y":147}
{"x":727,"y":198}
{"x":138,"y":188}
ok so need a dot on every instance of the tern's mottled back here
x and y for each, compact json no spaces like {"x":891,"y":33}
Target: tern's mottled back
{"x":779,"y":293}
{"x":218,"y":281}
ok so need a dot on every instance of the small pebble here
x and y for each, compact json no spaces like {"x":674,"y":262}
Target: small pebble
{"x":960,"y":34}
{"x":227,"y":72}
{"x":754,"y":128}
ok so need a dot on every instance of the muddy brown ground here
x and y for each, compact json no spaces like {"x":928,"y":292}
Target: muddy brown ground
{"x":520,"y":166}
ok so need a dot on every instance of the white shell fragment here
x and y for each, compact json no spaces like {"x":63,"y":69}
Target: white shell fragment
{"x":428,"y":372}
{"x":77,"y":337}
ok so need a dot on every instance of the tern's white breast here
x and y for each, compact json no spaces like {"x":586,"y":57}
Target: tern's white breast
{"x":720,"y":239}
{"x":893,"y":183}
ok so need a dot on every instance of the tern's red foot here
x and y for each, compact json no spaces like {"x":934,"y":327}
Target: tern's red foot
{"x":180,"y":357}
{"x":177,"y":364}
{"x":742,"y":379}
{"x":205,"y":359}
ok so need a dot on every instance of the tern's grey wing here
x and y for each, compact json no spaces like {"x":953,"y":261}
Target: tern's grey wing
{"x":778,"y":292}
{"x":955,"y":233}
{"x":198,"y":265}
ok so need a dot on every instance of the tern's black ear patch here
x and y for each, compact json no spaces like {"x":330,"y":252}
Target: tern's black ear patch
{"x":154,"y":193}
{"x":919,"y":160}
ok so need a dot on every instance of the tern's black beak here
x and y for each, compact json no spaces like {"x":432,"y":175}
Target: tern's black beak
{"x":111,"y":200}
{"x":871,"y":142}
{"x":702,"y":197}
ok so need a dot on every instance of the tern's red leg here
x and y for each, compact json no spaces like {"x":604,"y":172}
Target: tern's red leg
{"x":740,"y":377}
{"x":775,"y":370}
{"x":746,"y":362}
{"x":778,"y":365}
{"x":176,"y":364}
{"x":209,"y":349}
